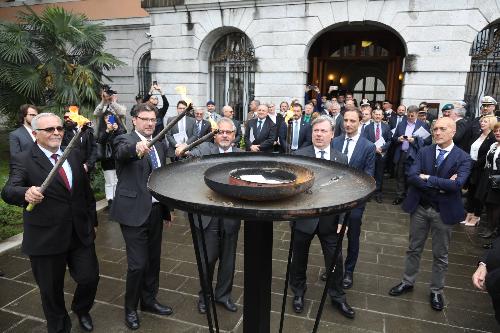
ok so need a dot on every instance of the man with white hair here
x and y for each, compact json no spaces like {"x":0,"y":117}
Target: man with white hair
{"x":461,"y":137}
{"x":334,"y":112}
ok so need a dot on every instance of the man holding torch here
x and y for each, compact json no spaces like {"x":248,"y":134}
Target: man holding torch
{"x":60,"y":230}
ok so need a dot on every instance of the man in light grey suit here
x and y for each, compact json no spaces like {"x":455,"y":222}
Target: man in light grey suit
{"x":338,"y":121}
{"x":185,"y":125}
{"x":326,"y":227}
{"x":212,"y":113}
{"x":221,"y":234}
{"x":22,"y":138}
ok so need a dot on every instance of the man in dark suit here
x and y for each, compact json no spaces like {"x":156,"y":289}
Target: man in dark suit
{"x":334,"y":112}
{"x":406,"y":148}
{"x":260,"y":132}
{"x":181,"y":132}
{"x":221,"y":234}
{"x":228,"y":112}
{"x":380,"y":134}
{"x":399,"y":117}
{"x":360,"y":155}
{"x":140,"y":215}
{"x":22,"y":138}
{"x":461,"y":137}
{"x":60,"y":230}
{"x":201,"y":126}
{"x":434,"y":203}
{"x":87,"y":144}
{"x":487,"y":276}
{"x":300,"y":133}
{"x":325,"y":227}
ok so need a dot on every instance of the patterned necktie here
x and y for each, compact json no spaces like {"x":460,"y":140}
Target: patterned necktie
{"x":152,"y":156}
{"x":198,"y":127}
{"x":440,"y":158}
{"x":346,"y":149}
{"x":322,"y":152}
{"x":377,"y":132}
{"x":61,"y":172}
{"x":295,"y":137}
{"x":259,"y":126}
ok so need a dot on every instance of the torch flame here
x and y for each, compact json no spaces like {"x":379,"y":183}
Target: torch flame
{"x":182,"y":90}
{"x":75,"y":117}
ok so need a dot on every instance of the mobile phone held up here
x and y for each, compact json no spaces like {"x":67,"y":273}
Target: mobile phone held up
{"x":111,"y":119}
{"x":155,"y":83}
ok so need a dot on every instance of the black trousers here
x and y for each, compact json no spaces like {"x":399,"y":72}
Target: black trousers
{"x":220,"y":246}
{"x":143,"y":245}
{"x":400,"y":173}
{"x":353,"y":234}
{"x":300,"y":256}
{"x":379,"y":171}
{"x":492,"y":282}
{"x":49,"y":274}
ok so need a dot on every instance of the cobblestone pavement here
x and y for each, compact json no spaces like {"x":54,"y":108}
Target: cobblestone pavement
{"x":384,"y":240}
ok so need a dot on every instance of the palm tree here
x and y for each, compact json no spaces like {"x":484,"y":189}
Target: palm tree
{"x":51,"y":60}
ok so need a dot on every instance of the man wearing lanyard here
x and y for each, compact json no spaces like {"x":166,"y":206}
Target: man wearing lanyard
{"x":140,"y":215}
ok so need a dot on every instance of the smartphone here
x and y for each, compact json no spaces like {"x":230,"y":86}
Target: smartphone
{"x":405,"y":137}
{"x":111,"y":119}
{"x":155,"y":83}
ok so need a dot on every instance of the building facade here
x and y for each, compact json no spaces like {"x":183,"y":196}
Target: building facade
{"x":232,"y":51}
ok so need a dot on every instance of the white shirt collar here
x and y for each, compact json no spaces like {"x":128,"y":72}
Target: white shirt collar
{"x":354,"y":138}
{"x":30,"y":132}
{"x":142,"y":137}
{"x":326,"y":150}
{"x":448,"y":149}
{"x":222,"y":151}
{"x":48,"y":153}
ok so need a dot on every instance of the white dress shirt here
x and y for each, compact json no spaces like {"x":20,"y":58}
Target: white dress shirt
{"x":30,"y":131}
{"x":229,"y":150}
{"x":326,"y":150}
{"x":65,"y":166}
{"x":448,"y":149}
{"x":352,"y":145}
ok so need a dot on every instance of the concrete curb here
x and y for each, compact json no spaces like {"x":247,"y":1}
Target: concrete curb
{"x":15,"y":241}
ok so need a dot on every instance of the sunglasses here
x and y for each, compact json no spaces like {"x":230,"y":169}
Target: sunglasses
{"x":51,"y":129}
{"x":221,"y":132}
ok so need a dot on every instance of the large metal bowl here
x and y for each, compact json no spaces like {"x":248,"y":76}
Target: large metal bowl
{"x":276,"y":179}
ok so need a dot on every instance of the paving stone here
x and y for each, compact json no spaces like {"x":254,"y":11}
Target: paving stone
{"x":405,"y":325}
{"x":29,"y":325}
{"x":30,"y":305}
{"x":8,"y":319}
{"x":13,"y":265}
{"x":11,"y":290}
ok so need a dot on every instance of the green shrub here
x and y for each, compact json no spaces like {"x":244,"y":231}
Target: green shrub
{"x":11,"y":220}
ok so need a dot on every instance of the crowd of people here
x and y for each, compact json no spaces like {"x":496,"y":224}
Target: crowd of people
{"x":438,"y":162}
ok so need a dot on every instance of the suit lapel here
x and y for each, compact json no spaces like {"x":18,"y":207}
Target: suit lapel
{"x":42,"y":160}
{"x":355,"y":152}
{"x":146,"y":157}
{"x":447,"y":163}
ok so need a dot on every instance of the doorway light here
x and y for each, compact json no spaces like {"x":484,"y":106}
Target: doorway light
{"x":341,"y":80}
{"x":331,"y":77}
{"x":400,"y":77}
{"x":366,"y":43}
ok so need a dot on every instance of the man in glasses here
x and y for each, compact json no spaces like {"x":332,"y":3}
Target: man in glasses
{"x":221,"y":234}
{"x":60,"y":230}
{"x":141,"y":216}
{"x":22,"y":138}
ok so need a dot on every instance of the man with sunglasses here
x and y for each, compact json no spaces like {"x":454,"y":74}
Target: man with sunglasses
{"x":22,"y":138}
{"x":60,"y":230}
{"x":140,"y":216}
{"x":221,"y":234}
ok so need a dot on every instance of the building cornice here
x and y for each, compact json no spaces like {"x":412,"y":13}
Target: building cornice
{"x":132,"y":23}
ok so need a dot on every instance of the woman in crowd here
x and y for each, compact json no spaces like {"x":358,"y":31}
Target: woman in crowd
{"x":488,"y":190}
{"x":478,"y":151}
{"x":110,"y":122}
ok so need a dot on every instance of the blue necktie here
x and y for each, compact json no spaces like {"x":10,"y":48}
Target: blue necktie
{"x":440,"y":158}
{"x":322,"y":152}
{"x":259,"y":126}
{"x":152,"y":156}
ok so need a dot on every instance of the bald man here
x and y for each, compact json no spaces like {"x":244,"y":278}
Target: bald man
{"x":435,"y":205}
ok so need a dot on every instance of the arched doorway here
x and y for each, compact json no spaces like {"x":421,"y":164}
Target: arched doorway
{"x":232,"y":72}
{"x":483,"y":78}
{"x":364,"y":59}
{"x":144,"y":74}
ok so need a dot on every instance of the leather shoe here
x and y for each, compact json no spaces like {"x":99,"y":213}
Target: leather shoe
{"x":298,"y":304}
{"x":348,"y":280}
{"x":157,"y":308}
{"x":345,"y":309}
{"x":324,"y":277}
{"x":85,"y":321}
{"x":400,"y":289}
{"x":397,"y":201}
{"x":132,"y":319}
{"x":202,"y":308}
{"x":229,"y":305}
{"x":437,"y":302}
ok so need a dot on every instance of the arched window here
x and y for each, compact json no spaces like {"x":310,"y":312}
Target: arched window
{"x":232,"y":69}
{"x":143,"y":74}
{"x":369,"y":87}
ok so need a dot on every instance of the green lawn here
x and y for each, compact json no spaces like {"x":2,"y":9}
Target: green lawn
{"x":11,"y":217}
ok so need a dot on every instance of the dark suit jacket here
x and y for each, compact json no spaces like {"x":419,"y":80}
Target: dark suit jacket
{"x":132,"y":203}
{"x":230,"y":226}
{"x":439,"y":188}
{"x":328,"y":225}
{"x":363,"y":156}
{"x":393,"y":120}
{"x":237,"y":137}
{"x":415,"y":146}
{"x":385,"y":132}
{"x":305,"y":134}
{"x":338,"y":129}
{"x":266,"y":137}
{"x":87,"y":146}
{"x":20,"y":140}
{"x":205,"y":129}
{"x":174,"y":130}
{"x":462,"y":136}
{"x":49,"y":227}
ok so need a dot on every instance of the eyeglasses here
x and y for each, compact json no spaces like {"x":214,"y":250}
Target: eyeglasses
{"x":32,"y":114}
{"x":148,"y":120}
{"x":222,"y":132}
{"x":51,"y":129}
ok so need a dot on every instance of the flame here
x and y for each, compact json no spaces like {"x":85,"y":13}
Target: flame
{"x":213,"y":124}
{"x":79,"y":119}
{"x":73,"y":109}
{"x":182,"y":90}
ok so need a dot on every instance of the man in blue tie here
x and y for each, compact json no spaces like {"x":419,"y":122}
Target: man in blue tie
{"x":301,"y":131}
{"x":434,"y":203}
{"x":260,"y":132}
{"x":140,"y":215}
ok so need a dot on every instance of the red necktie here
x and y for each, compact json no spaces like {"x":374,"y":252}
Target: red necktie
{"x":62,"y":173}
{"x":377,"y":132}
